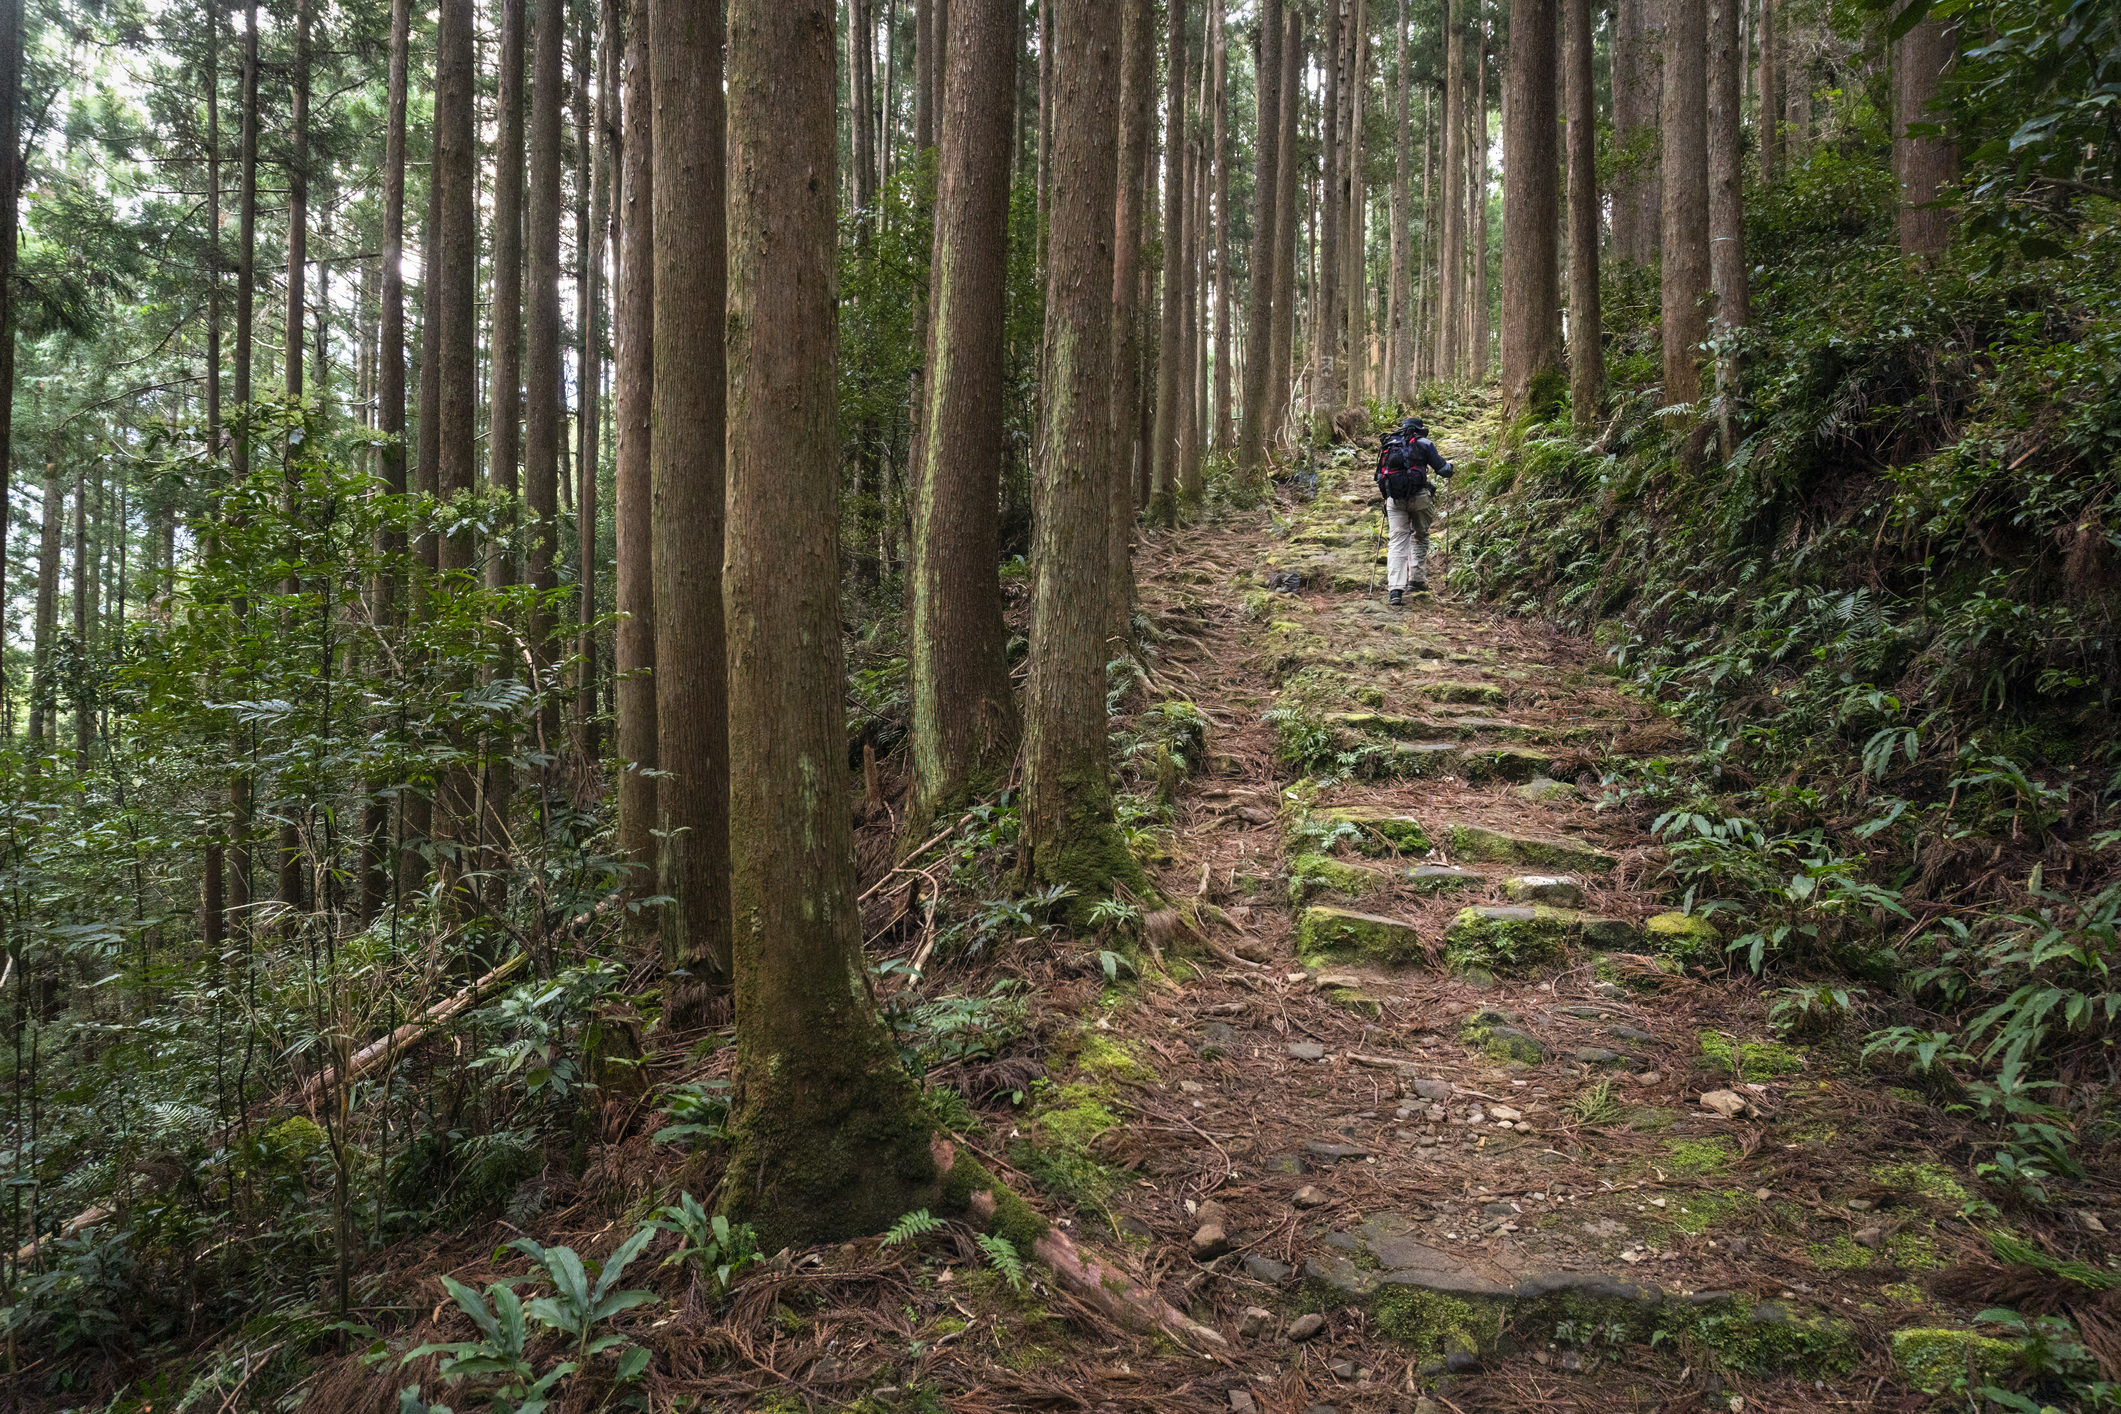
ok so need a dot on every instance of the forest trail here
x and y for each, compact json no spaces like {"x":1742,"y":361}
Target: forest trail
{"x":1464,"y":1092}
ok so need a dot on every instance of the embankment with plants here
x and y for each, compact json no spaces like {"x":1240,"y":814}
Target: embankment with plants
{"x":1876,"y":579}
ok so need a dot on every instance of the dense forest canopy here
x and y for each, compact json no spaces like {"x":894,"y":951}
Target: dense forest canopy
{"x":572,"y":611}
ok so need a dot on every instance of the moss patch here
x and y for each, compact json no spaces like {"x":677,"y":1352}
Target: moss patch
{"x":1697,"y":1156}
{"x":1767,"y":1337}
{"x":1508,"y":940}
{"x":1754,"y":1060}
{"x":1076,"y":1116}
{"x":1013,"y":1218}
{"x":1329,"y":935}
{"x":1843,"y":1254}
{"x":1929,"y":1180}
{"x":1686,"y":937}
{"x":1311,"y":874}
{"x":1699,"y":1212}
{"x":1430,"y":1323}
{"x":1107,"y":1059}
{"x":1935,"y":1360}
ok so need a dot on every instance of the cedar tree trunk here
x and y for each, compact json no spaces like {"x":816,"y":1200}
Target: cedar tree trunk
{"x":964,"y":716}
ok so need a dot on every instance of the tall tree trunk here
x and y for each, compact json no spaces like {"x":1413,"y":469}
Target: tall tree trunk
{"x":923,"y":74}
{"x":1796,"y":94}
{"x":828,"y":1134}
{"x":1045,"y":118}
{"x":41,"y":691}
{"x":1287,"y":162}
{"x":390,"y":420}
{"x":84,"y":620}
{"x":1531,"y":259}
{"x":860,"y":31}
{"x":1726,"y":158}
{"x":1450,"y":325}
{"x":1478,"y":179}
{"x":543,"y":408}
{"x":964,"y":715}
{"x":687,"y":454}
{"x":1398,"y":375}
{"x":290,"y":865}
{"x":246,"y":239}
{"x":451,"y":345}
{"x":11,"y":41}
{"x":1259,"y":292}
{"x":1586,"y":322}
{"x":297,"y":205}
{"x":1637,"y":97}
{"x":1422,"y":342}
{"x":634,"y":689}
{"x":1070,"y":833}
{"x":1223,"y":342}
{"x":1170,"y":355}
{"x":1186,"y":465}
{"x":1137,"y":99}
{"x":1685,"y":172}
{"x":504,"y":438}
{"x":1355,"y":238}
{"x":1769,"y":112}
{"x":592,"y":225}
{"x":1324,"y":309}
{"x":1922,"y":166}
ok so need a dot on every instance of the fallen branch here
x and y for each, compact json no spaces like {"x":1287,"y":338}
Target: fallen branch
{"x":376,"y":1053}
{"x":365,"y":1059}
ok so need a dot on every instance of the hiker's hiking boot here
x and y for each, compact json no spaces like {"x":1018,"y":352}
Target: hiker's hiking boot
{"x":1420,"y":586}
{"x":1396,"y":598}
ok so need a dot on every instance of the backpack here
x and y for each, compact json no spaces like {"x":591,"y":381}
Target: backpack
{"x":1400,"y":475}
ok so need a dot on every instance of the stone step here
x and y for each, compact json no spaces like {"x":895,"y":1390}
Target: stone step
{"x":1558,"y":852}
{"x":1376,"y":831}
{"x":1518,"y":938}
{"x":1451,"y":1308}
{"x":1327,"y":935}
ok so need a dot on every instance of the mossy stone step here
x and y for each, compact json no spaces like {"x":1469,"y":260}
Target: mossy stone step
{"x":1326,"y":935}
{"x":1504,"y":763}
{"x":1372,"y":830}
{"x":1518,"y":937}
{"x":1386,"y":725}
{"x":1561,"y":853}
{"x":1448,"y":690}
{"x":1442,"y":878}
{"x":1436,"y":1303}
{"x":1314,"y":874}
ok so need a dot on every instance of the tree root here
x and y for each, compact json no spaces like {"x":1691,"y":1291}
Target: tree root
{"x":970,"y":1190}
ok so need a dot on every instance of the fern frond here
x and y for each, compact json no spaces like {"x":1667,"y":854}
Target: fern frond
{"x":1002,"y":1253}
{"x":914,"y":1224}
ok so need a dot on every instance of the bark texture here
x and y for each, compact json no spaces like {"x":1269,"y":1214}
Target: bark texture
{"x":828,"y":1137}
{"x":1637,"y":95}
{"x":542,"y":404}
{"x":504,"y":444}
{"x":1070,"y":834}
{"x":633,"y":691}
{"x":1282,"y":337}
{"x":1451,"y":314}
{"x":1726,"y":138}
{"x":1398,"y":312}
{"x":964,"y":716}
{"x":1922,"y":165}
{"x":1531,"y":257}
{"x":1170,"y":356}
{"x":1137,"y":96}
{"x":686,"y":471}
{"x":1685,"y":175}
{"x":1259,"y":292}
{"x":1769,"y":112}
{"x":1586,"y":321}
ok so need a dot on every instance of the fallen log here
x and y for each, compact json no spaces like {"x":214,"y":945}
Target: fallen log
{"x":367,"y":1058}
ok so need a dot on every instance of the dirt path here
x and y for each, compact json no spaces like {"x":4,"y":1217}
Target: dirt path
{"x":1455,"y":1103}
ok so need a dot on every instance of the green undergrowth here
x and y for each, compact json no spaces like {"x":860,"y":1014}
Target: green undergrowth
{"x":1876,"y":579}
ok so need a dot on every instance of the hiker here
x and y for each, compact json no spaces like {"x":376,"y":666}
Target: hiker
{"x":1403,"y":467}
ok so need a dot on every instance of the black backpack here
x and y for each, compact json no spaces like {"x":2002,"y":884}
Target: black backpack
{"x":1400,"y":475}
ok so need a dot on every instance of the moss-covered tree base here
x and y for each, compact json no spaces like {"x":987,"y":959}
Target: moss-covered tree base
{"x":824,"y":1154}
